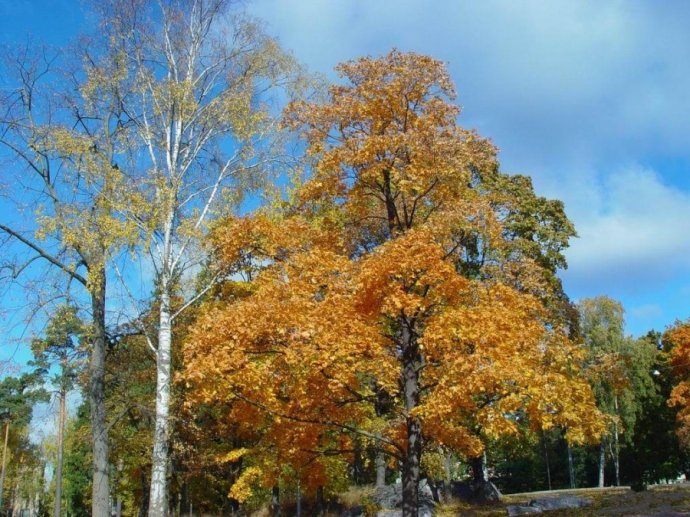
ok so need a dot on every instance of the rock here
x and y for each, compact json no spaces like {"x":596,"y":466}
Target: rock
{"x":475,"y":492}
{"x":426,"y":494}
{"x":559,"y":503}
{"x":462,"y":490}
{"x":423,"y":512}
{"x":522,"y":510}
{"x":389,"y":497}
{"x":486,"y":492}
{"x":547,"y":504}
{"x":355,"y":511}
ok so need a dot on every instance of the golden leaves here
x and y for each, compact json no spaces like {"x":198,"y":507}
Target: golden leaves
{"x":678,"y":336}
{"x":390,"y":250}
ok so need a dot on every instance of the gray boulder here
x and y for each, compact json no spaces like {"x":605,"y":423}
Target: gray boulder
{"x":546,"y":504}
{"x":559,"y":503}
{"x":423,"y":512}
{"x":522,"y":510}
{"x":389,"y":497}
{"x":475,"y":492}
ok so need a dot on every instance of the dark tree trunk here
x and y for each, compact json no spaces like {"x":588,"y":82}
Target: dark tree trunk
{"x":275,"y":501}
{"x":320,"y":506}
{"x":479,"y":470}
{"x":548,"y":463}
{"x":99,"y":428}
{"x":571,"y":467}
{"x":357,"y":462}
{"x":144,"y":508}
{"x":391,"y":210}
{"x":382,"y":406}
{"x":410,"y":381}
{"x":299,"y":501}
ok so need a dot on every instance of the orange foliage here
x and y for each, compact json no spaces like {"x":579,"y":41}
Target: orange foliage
{"x":679,"y":337}
{"x":358,"y":287}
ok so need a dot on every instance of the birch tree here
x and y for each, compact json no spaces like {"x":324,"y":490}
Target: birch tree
{"x":202,"y":74}
{"x":620,"y":372}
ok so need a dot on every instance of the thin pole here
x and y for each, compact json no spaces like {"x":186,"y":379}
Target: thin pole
{"x":4,"y":461}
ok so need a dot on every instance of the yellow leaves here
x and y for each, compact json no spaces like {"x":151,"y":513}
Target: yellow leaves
{"x":241,"y":490}
{"x":407,"y":275}
{"x":390,"y":137}
{"x":232,"y":456}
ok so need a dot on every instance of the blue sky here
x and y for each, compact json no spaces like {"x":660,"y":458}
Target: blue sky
{"x":590,"y":98}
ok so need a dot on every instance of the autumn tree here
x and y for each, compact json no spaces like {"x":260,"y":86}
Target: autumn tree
{"x":678,"y":337}
{"x":59,"y":129}
{"x":389,"y":271}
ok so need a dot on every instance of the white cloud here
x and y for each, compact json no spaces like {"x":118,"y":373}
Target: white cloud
{"x":633,"y":232}
{"x":554,"y":83}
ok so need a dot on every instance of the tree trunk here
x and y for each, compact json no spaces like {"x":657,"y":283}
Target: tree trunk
{"x":616,"y":459}
{"x":411,"y":460}
{"x":319,"y":506}
{"x":571,"y":467}
{"x":60,"y":453}
{"x":298,"y":512}
{"x":548,"y":464}
{"x":158,"y":500}
{"x":616,"y":446}
{"x":4,"y":462}
{"x":380,"y":468}
{"x":357,"y":462}
{"x":99,"y":429}
{"x":275,"y":501}
{"x":144,"y":508}
{"x":480,"y":471}
{"x":602,"y":462}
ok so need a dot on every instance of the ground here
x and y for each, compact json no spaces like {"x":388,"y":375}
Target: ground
{"x":657,"y":501}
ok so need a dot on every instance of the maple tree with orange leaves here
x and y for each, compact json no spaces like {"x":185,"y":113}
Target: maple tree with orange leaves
{"x":679,"y":359}
{"x":392,"y":274}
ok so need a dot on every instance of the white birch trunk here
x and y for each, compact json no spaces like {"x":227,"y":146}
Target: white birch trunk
{"x":158,"y":500}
